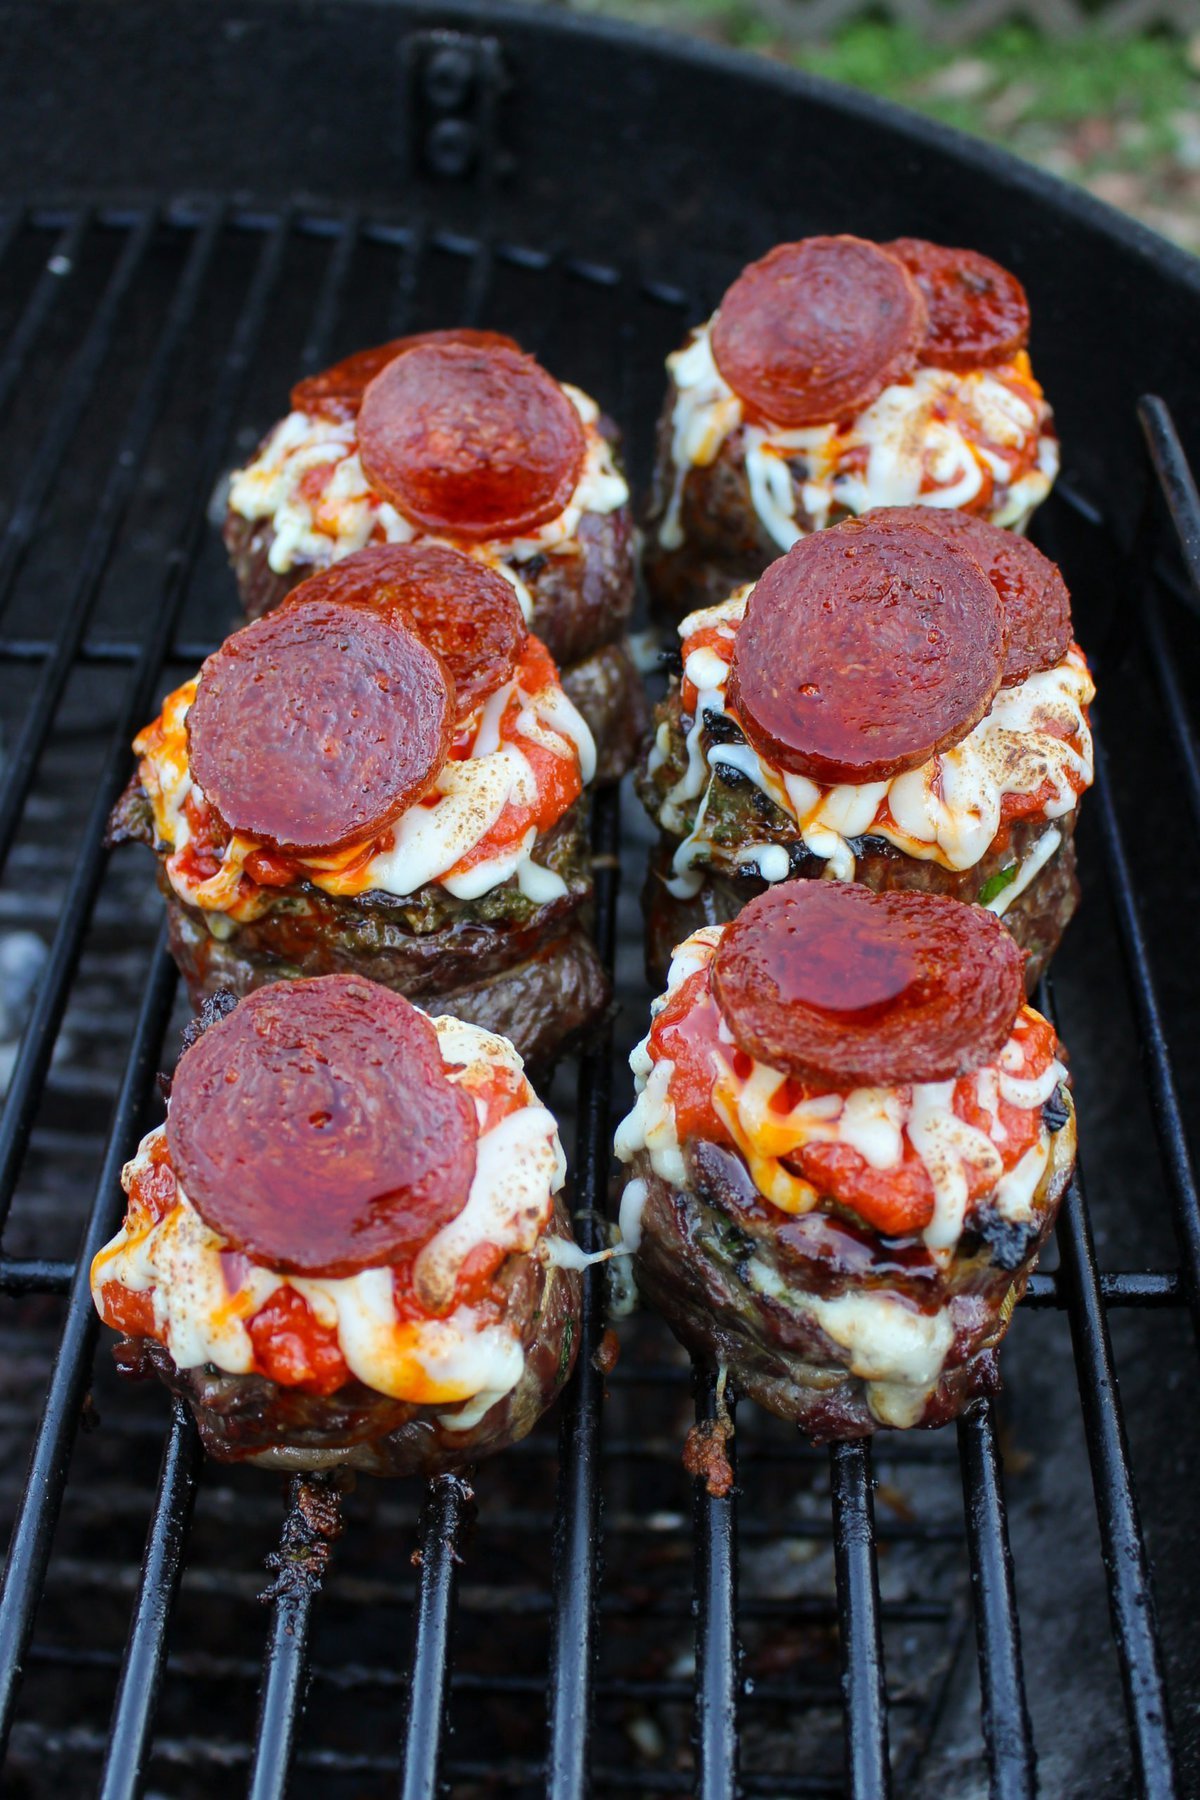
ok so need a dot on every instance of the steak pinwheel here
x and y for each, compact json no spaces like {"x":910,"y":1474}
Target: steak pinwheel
{"x":897,"y":701}
{"x":849,"y":1144}
{"x":839,"y":375}
{"x":345,"y":1246}
{"x":459,"y":437}
{"x":384,"y":775}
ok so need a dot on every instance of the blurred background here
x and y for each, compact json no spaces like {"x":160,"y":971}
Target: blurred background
{"x":1102,"y":92}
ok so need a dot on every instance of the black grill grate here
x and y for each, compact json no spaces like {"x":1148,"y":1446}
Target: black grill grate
{"x":138,"y":349}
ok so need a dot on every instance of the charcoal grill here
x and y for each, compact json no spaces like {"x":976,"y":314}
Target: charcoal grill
{"x":198,"y":202}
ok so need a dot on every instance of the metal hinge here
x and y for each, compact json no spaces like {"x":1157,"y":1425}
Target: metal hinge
{"x":456,"y":81}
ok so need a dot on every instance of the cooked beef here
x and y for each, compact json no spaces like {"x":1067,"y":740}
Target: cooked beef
{"x":1037,"y":917}
{"x":725,"y":543}
{"x":609,"y":692}
{"x":738,"y":813}
{"x":501,"y":961}
{"x":730,"y":1274}
{"x":248,"y":1418}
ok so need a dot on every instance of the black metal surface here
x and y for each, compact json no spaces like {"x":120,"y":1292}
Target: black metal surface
{"x":610,"y":1627}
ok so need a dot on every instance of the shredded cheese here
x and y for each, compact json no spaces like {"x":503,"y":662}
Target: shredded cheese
{"x":982,"y":439}
{"x":1036,"y":735}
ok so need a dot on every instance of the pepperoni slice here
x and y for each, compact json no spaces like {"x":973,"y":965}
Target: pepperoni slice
{"x":465,"y":612}
{"x":480,"y":442}
{"x":816,"y":330}
{"x":314,"y":728}
{"x":978,"y":311}
{"x":316,"y":1128}
{"x":865,"y":650}
{"x":840,"y":986}
{"x":1035,"y":598}
{"x":338,"y":392}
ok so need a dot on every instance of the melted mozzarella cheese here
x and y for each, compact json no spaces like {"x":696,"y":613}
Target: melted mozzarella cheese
{"x":931,"y":440}
{"x":347,"y":514}
{"x":872,"y":1121}
{"x":463,"y":1355}
{"x":898,"y":1351}
{"x":948,"y":811}
{"x":426,"y":843}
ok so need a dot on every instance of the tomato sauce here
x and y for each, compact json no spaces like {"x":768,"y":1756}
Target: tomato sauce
{"x":687,"y":1031}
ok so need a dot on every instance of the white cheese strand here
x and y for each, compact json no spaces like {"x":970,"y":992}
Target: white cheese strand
{"x":947,"y":811}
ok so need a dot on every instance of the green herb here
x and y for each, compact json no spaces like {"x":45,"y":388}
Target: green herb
{"x":996,"y":884}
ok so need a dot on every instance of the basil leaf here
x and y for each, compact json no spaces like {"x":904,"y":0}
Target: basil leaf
{"x":996,"y":884}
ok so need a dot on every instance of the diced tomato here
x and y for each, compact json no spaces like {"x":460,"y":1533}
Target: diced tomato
{"x":292,"y":1347}
{"x":709,"y":637}
{"x":475,"y":1276}
{"x":312,"y":484}
{"x":152,"y":1190}
{"x":201,"y":856}
{"x":128,"y":1309}
{"x":891,"y":1200}
{"x":270,"y":868}
{"x":685,"y":1031}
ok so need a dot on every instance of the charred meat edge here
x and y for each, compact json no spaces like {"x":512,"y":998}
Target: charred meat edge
{"x":692,"y":1266}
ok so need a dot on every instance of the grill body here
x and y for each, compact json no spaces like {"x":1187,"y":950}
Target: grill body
{"x":196,"y":204}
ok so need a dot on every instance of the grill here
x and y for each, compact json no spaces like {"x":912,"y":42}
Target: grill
{"x":225,"y":196}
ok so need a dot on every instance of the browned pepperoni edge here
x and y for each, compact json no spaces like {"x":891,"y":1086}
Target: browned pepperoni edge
{"x":978,"y":310}
{"x":316,"y":1130}
{"x":1035,"y":598}
{"x":464,"y":611}
{"x":337,"y":392}
{"x":865,"y":650}
{"x":477,"y":442}
{"x":315,"y":727}
{"x":837,"y":985}
{"x":817,"y":329}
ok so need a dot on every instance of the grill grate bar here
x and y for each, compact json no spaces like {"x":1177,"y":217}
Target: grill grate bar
{"x":1008,"y":1736}
{"x":1164,"y":1095}
{"x":38,"y":1038}
{"x":1146,"y":1287}
{"x":717,"y":1655}
{"x":577,"y":1536}
{"x":35,"y":1275}
{"x":864,"y":1685}
{"x":49,"y":285}
{"x":102,"y":650}
{"x":128,"y":1747}
{"x":101,"y":539}
{"x":576,"y":1603}
{"x":37,"y":1514}
{"x":1130,"y":1593}
{"x":74,"y":395}
{"x":1183,"y":504}
{"x":447,"y":1508}
{"x":281,"y":1695}
{"x":1175,"y":479}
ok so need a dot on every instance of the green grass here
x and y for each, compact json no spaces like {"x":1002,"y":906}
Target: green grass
{"x":1139,"y":81}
